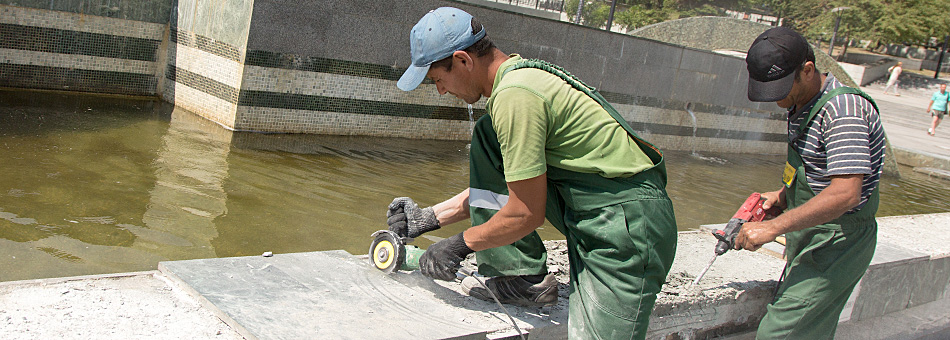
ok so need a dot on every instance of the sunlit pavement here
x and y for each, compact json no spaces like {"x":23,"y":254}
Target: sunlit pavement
{"x":906,"y":120}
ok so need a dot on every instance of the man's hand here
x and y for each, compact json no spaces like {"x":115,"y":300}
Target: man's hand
{"x":754,"y":234}
{"x":841,"y":195}
{"x":443,"y":259}
{"x":774,"y":203}
{"x":406,"y":219}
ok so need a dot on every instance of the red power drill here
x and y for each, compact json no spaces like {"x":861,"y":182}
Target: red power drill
{"x":750,"y":211}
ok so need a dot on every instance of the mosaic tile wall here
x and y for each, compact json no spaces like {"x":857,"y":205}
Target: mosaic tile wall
{"x":266,"y":91}
{"x":205,"y":57}
{"x":154,"y":11}
{"x":203,"y":76}
{"x":289,"y":93}
{"x":322,"y":81}
{"x":54,"y":50}
{"x":318,"y":95}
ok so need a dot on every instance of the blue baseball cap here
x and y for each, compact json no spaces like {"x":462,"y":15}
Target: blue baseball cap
{"x":436,"y":36}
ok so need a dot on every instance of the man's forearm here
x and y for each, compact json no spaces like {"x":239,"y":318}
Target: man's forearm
{"x":503,"y":228}
{"x":452,"y":210}
{"x":843,"y":194}
{"x":523,"y":213}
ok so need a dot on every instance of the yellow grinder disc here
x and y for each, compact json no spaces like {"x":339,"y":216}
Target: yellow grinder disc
{"x":384,"y":254}
{"x":387,"y":253}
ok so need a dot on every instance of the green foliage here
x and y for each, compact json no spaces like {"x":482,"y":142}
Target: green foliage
{"x":885,"y":21}
{"x":637,"y":16}
{"x":704,"y":10}
{"x":593,"y":14}
{"x":597,"y":16}
{"x":570,"y":7}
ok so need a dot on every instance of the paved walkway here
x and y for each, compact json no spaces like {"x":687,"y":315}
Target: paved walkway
{"x":905,"y":118}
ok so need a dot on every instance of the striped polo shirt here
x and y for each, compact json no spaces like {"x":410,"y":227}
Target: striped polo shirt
{"x":845,"y":138}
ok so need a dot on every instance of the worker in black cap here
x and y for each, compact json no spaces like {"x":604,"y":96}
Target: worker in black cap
{"x":830,"y":192}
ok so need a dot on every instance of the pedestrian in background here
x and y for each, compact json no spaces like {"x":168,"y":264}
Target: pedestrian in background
{"x":938,"y":108}
{"x":895,"y":72}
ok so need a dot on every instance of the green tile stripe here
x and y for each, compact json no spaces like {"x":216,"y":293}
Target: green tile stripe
{"x":201,"y":83}
{"x":356,"y":106}
{"x":687,"y":131}
{"x":205,"y":44}
{"x":52,"y":40}
{"x":359,"y":69}
{"x":61,"y":78}
{"x":322,"y":65}
{"x":313,"y":102}
{"x":627,"y":99}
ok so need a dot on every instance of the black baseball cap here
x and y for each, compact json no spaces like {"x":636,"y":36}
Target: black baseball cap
{"x":772,"y":61}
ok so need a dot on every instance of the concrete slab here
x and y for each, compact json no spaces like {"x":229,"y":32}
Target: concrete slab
{"x":327,"y":294}
{"x":730,"y":298}
{"x":927,"y":234}
{"x":909,"y":267}
{"x":927,"y":321}
{"x":333,"y":295}
{"x":137,"y":305}
{"x":934,"y":172}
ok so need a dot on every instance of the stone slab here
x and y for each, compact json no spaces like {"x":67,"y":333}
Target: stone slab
{"x":934,"y":172}
{"x":928,"y":234}
{"x":327,"y":295}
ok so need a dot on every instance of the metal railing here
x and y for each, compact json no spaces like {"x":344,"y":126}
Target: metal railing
{"x":547,"y":5}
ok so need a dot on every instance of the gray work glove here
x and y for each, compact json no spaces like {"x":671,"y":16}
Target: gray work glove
{"x":444,"y":258}
{"x":406,"y":219}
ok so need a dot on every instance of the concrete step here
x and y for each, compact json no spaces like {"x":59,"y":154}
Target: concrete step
{"x":336,"y":295}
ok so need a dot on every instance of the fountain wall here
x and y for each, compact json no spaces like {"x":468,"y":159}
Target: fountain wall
{"x":331,"y":68}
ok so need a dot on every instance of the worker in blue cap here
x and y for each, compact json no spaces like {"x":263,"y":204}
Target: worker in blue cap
{"x":549,"y":147}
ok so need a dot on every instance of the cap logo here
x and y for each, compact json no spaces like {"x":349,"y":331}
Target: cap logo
{"x":774,"y":71}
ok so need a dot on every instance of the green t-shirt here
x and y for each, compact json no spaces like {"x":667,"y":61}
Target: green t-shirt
{"x":543,"y":121}
{"x":940,"y":101}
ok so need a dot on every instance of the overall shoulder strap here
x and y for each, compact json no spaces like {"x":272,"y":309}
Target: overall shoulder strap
{"x":590,"y":91}
{"x":831,"y":94}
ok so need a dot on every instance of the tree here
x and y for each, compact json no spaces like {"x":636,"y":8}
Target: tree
{"x":637,"y":16}
{"x":593,"y":14}
{"x":886,"y":21}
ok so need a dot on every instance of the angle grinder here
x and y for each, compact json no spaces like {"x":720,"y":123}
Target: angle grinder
{"x":390,"y":253}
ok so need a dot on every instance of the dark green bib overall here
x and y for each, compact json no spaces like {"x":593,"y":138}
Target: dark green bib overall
{"x":825,"y":262}
{"x":621,"y":232}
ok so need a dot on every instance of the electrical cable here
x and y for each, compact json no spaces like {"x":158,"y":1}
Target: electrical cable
{"x":466,"y":272}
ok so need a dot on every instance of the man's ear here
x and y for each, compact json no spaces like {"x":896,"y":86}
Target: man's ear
{"x":808,"y":70}
{"x":464,"y":59}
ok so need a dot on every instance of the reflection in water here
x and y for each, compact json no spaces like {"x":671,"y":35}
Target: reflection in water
{"x":92,"y":185}
{"x":188,"y":193}
{"x":307,"y":192}
{"x":74,"y":168}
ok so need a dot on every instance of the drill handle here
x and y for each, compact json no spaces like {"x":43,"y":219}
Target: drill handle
{"x":751,"y":210}
{"x":727,"y":236}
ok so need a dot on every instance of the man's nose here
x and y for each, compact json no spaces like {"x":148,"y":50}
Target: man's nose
{"x":441,"y":89}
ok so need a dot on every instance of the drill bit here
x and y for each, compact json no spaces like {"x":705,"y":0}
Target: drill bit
{"x":700,"y":277}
